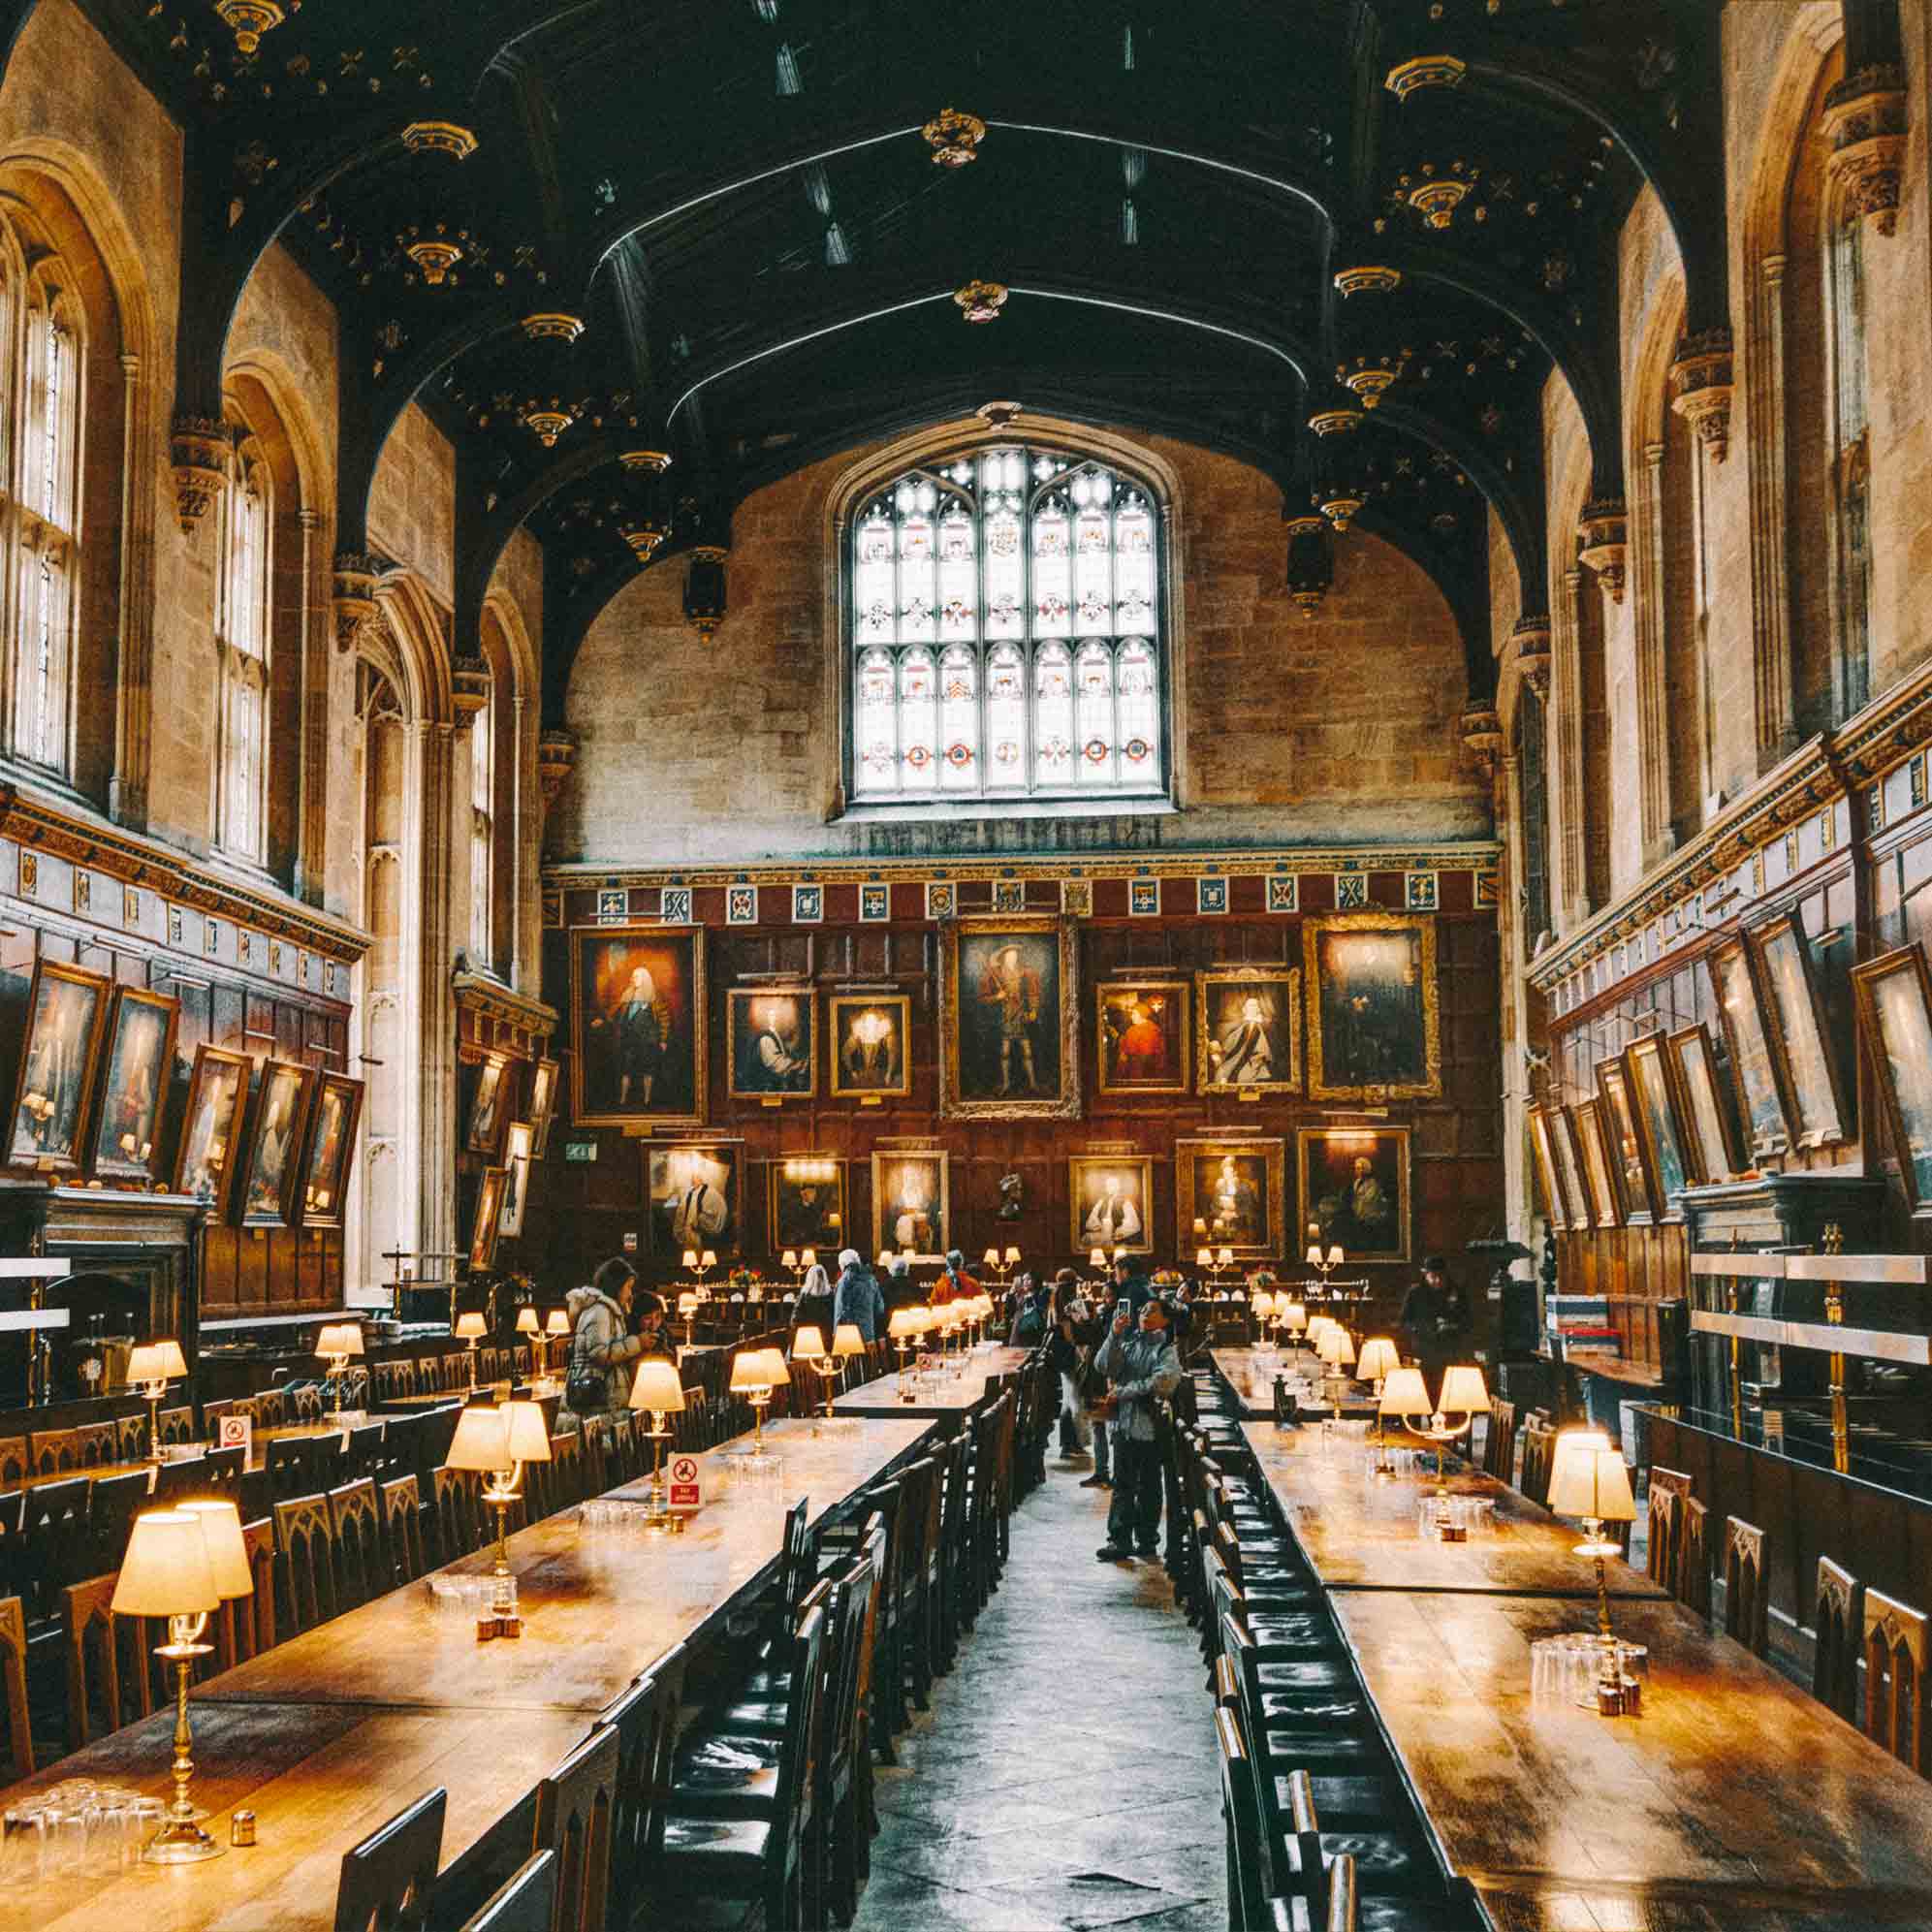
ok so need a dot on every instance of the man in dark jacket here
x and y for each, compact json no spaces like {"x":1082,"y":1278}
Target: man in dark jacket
{"x":1436,"y":1318}
{"x":1144,"y":1370}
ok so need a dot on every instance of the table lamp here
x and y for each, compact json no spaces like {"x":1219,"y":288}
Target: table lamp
{"x":687,"y":1309}
{"x":707,"y":1261}
{"x":885,"y":1257}
{"x":470,"y":1328}
{"x":1589,"y":1480}
{"x":658,"y":1388}
{"x":1404,"y":1394}
{"x":177,"y":1565}
{"x":788,"y":1261}
{"x":1294,"y":1317}
{"x":992,"y":1260}
{"x":808,"y":1346}
{"x":150,"y":1368}
{"x":497,"y":1443}
{"x":1012,"y":1257}
{"x":1377,"y":1358}
{"x":1338,"y":1353}
{"x":340,"y":1341}
{"x":902,"y":1329}
{"x":1097,"y":1259}
{"x":983,"y":1307}
{"x":1204,"y":1259}
{"x":808,"y":1258}
{"x":228,"y":1551}
{"x":847,"y":1344}
{"x":755,"y":1374}
{"x":556,"y":1325}
{"x":1465,"y":1396}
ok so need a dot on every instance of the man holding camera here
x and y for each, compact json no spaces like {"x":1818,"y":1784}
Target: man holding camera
{"x":1144,"y":1370}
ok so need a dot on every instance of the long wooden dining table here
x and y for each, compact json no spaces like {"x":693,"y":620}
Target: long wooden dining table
{"x":947,"y":1393}
{"x":327,"y":1735}
{"x":1733,"y":1800}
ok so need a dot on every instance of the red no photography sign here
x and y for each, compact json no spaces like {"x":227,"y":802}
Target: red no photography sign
{"x":686,"y":1491}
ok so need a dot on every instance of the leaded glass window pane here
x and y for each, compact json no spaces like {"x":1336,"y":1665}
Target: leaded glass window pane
{"x":1005,"y":632}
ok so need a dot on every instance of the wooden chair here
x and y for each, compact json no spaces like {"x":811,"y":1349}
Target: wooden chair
{"x":566,"y":1470}
{"x":112,"y":1502}
{"x":1896,"y":1670}
{"x":1746,"y":1606}
{"x":14,"y":1668}
{"x":271,"y":1408}
{"x":307,"y":1401}
{"x":12,"y":1461}
{"x":245,"y":1627}
{"x":1838,"y":1616}
{"x":388,"y":1881}
{"x":1242,"y":1820}
{"x":1538,"y":1459}
{"x":1498,"y":1445}
{"x":217,"y":1474}
{"x":54,"y":1451}
{"x":306,"y":1545}
{"x":457,"y":1522}
{"x":402,"y":1528}
{"x":1693,"y":1587}
{"x":576,"y":1819}
{"x":1662,"y":1558}
{"x":362,"y":1454}
{"x":356,"y":1520}
{"x":645,"y":1720}
{"x":526,"y":1901}
{"x":131,"y":1437}
{"x":100,"y":1657}
{"x":178,"y":1425}
{"x":53,"y":1543}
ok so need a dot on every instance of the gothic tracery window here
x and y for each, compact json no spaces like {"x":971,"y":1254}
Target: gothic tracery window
{"x":482,"y":830}
{"x":241,"y":650}
{"x":1849,"y":429}
{"x":1006,"y":634}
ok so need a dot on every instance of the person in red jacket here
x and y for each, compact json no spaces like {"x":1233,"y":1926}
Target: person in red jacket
{"x":954,"y":1280}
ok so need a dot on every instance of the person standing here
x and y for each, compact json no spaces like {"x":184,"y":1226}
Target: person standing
{"x":813,"y":1306}
{"x":857,"y":1299}
{"x":1144,"y":1370}
{"x":1091,"y":1333}
{"x":602,"y":1347}
{"x":954,"y":1282}
{"x":1435,"y":1318}
{"x":1068,"y":1356}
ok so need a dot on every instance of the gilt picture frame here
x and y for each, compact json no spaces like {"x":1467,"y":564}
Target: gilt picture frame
{"x":1374,"y":1029}
{"x":1009,"y":1019}
{"x":1110,"y":1203}
{"x":911,"y":1202}
{"x":694,"y":1190}
{"x":1353,"y":1185}
{"x":542,"y":1106}
{"x":1894,"y":995}
{"x":516,"y":1146}
{"x":211,"y":1150}
{"x":272,"y":1172}
{"x":1247,"y":1030}
{"x":1651,"y":1082}
{"x":60,"y":1051}
{"x":1142,"y":1032}
{"x":487,"y":1227}
{"x":805,"y":1206}
{"x":1569,"y":1164}
{"x":638,"y":1026}
{"x":870,"y":1055}
{"x":1754,"y":1064}
{"x":136,"y":1070}
{"x":1236,"y":1186}
{"x":1794,"y":1018}
{"x":1710,"y":1127}
{"x":1605,"y":1203}
{"x":330,"y":1157}
{"x":1544,"y":1131}
{"x":1630,"y":1165}
{"x":770,"y":1042}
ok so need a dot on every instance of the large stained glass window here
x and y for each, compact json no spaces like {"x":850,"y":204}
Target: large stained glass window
{"x":1006,"y":633}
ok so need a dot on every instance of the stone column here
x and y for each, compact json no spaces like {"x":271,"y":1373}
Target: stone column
{"x":1651,"y":665}
{"x":311,"y":856}
{"x":1569,"y":832}
{"x":1770,"y":572}
{"x":527,"y":930}
{"x":435,"y":1095}
{"x":1512,"y":942}
{"x":133,"y":721}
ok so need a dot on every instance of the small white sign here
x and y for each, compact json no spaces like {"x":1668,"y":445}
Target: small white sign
{"x":236,"y":1432}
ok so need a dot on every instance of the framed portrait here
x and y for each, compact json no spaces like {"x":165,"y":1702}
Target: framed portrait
{"x":211,"y":1150}
{"x":1354,"y":1188}
{"x":1549,"y":1173}
{"x":331,"y":1149}
{"x":911,"y":1206}
{"x":271,"y":1166}
{"x":488,"y":1224}
{"x":517,"y":1186}
{"x":1248,"y":1022}
{"x":67,"y":1011}
{"x":1569,"y":1164}
{"x":1794,"y":1018}
{"x":1595,"y":1145}
{"x":808,"y":1205}
{"x":138,"y":1063}
{"x":488,"y":1105}
{"x":1009,"y":1034}
{"x":696,"y":1197}
{"x":1235,"y":1187}
{"x":1652,"y":1085}
{"x":1627,"y":1156}
{"x":1711,"y":1147}
{"x":1111,"y":1202}
{"x":542,"y":1106}
{"x":1894,"y":994}
{"x":1375,"y":1023}
{"x":636,"y":1025}
{"x":771,"y":1042}
{"x":869,"y":1052}
{"x":1141,"y":1035}
{"x":1766,"y":1126}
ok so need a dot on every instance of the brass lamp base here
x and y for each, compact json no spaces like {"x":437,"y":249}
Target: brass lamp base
{"x":181,"y":1841}
{"x":502,"y":1620}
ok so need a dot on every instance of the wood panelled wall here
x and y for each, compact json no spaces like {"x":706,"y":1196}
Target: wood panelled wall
{"x":244,"y":1271}
{"x":580,"y":1212}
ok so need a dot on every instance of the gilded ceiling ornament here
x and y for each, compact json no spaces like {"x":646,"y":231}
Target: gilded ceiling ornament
{"x":439,"y":138}
{"x":199,"y":450}
{"x":705,"y":589}
{"x":435,"y":254}
{"x":1311,"y":563}
{"x":1428,"y":70}
{"x":1437,"y":198}
{"x":1369,"y":279}
{"x":1335,"y":422}
{"x":250,"y":19}
{"x":557,"y":327}
{"x":1341,"y":503}
{"x":954,"y":137}
{"x":981,"y":302}
{"x":999,"y":415}
{"x":1602,"y":543}
{"x":649,"y":463}
{"x":1371,"y":375}
{"x":1700,"y":388}
{"x":547,"y":425}
{"x":643,"y":534}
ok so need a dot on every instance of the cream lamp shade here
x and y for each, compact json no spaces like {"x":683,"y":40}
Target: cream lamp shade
{"x":1318,"y":1326}
{"x":1225,"y":1257}
{"x":1204,"y":1257}
{"x":228,"y":1554}
{"x":1263,"y":1305}
{"x":847,"y":1341}
{"x":656,"y":1386}
{"x":1464,"y":1392}
{"x":1096,"y":1257}
{"x":991,"y":1258}
{"x":492,"y":1438}
{"x":1378,"y":1358}
{"x":885,"y":1257}
{"x":1012,"y":1256}
{"x":789,"y":1258}
{"x":470,"y":1327}
{"x":709,"y":1258}
{"x":345,"y":1338}
{"x":166,"y":1571}
{"x":808,"y":1258}
{"x":1589,"y":1478}
{"x":773,"y":1361}
{"x":748,"y":1372}
{"x":1313,"y":1255}
{"x":560,"y":1318}
{"x":1338,"y":1349}
{"x":529,"y":1433}
{"x":808,"y":1346}
{"x":1294,"y":1316}
{"x":526,"y":1321}
{"x":909,"y":1256}
{"x":1336,"y":1257}
{"x":690,"y":1257}
{"x":158,"y":1362}
{"x":903,"y":1324}
{"x":687,"y":1303}
{"x":1404,"y":1393}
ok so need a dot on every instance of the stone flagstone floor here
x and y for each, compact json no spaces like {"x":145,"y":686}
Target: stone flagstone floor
{"x":1065,"y":1774}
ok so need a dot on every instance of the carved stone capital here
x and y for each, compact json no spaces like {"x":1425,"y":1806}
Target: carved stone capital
{"x":1531,"y":636}
{"x":556,"y":753}
{"x":1864,"y":119}
{"x":1700,"y":388}
{"x":198,"y":449}
{"x":1482,"y":738}
{"x":469,"y":685}
{"x":1604,"y":542}
{"x":359,"y":617}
